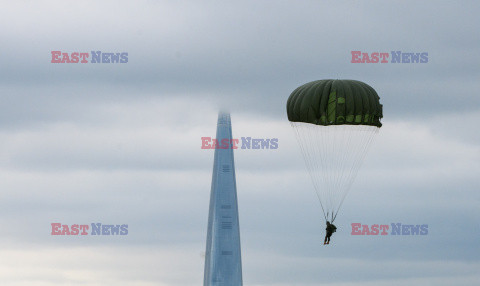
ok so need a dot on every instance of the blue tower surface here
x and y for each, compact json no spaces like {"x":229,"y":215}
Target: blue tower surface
{"x":223,"y":263}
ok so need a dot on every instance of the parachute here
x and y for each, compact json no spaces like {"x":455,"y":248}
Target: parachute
{"x":335,"y":122}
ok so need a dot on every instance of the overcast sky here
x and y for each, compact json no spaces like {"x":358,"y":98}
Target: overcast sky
{"x":120,"y":143}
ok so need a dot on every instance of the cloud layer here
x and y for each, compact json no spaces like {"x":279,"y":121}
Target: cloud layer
{"x":120,"y":143}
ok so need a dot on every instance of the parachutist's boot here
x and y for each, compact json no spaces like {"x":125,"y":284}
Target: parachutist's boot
{"x":328,"y":242}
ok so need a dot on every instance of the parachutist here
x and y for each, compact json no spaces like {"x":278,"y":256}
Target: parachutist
{"x":335,"y":122}
{"x":331,"y":228}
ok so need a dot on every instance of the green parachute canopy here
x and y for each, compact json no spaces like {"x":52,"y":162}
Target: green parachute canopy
{"x":335,"y":122}
{"x":335,"y":102}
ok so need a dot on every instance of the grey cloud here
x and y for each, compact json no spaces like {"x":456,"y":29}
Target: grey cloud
{"x":121,"y":143}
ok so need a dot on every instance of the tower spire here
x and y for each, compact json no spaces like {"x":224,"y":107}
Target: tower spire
{"x":223,"y":264}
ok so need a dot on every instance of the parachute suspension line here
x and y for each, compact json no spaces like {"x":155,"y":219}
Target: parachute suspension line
{"x":311,"y":152}
{"x":333,"y":155}
{"x":308,"y":161}
{"x":367,"y":134}
{"x":311,"y":167}
{"x":339,"y":153}
{"x":305,"y":136}
{"x":319,"y":167}
{"x":325,"y":149}
{"x":325,"y":173}
{"x":322,"y":170}
{"x":331,"y":181}
{"x":316,"y":165}
{"x":352,"y":170}
{"x":336,"y":159}
{"x":344,"y":142}
{"x":346,"y":153}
